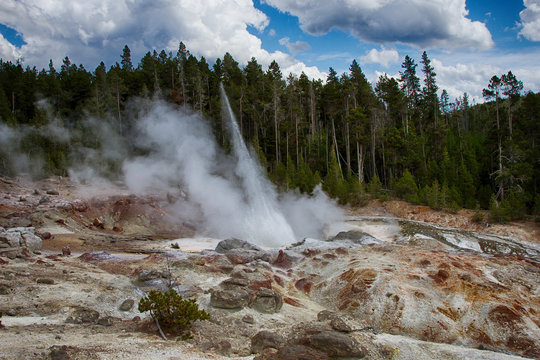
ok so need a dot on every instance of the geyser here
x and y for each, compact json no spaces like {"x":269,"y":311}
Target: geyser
{"x":264,"y":221}
{"x":225,"y":195}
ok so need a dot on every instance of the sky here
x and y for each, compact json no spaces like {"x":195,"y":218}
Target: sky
{"x":468,"y":41}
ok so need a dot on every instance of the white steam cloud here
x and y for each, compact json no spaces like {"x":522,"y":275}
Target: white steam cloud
{"x":183,"y":156}
{"x":222,"y":195}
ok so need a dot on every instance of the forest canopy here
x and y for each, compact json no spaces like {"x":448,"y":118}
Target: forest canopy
{"x":398,"y":137}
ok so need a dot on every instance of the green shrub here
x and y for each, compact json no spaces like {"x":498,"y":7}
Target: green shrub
{"x":172,"y":312}
{"x":511,"y":208}
{"x":374,"y":186}
{"x":405,"y":187}
{"x":478,"y":217}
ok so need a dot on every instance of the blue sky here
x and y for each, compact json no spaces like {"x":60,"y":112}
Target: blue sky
{"x":468,"y":41}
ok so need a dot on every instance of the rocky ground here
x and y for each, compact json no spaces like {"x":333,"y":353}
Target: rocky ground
{"x":75,"y":261}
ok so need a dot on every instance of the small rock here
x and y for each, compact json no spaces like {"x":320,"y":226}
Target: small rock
{"x":304,"y":285}
{"x":61,"y":221}
{"x":63,"y":205}
{"x":80,"y":205}
{"x":325,"y":315}
{"x":83,"y":316}
{"x":126,"y":305}
{"x":229,"y":299}
{"x":98,"y":223}
{"x":44,"y":200}
{"x":45,"y":281}
{"x":105,"y":321}
{"x":340,"y":325}
{"x":248,"y":319}
{"x":66,"y":251}
{"x":229,"y":244}
{"x":45,"y":235}
{"x":283,"y":261}
{"x":36,"y":192}
{"x":266,"y":339}
{"x":117,"y":228}
{"x":267,"y":301}
{"x":59,"y":352}
{"x":147,"y":275}
{"x":52,"y":192}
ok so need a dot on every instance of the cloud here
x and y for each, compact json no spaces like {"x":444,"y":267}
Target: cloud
{"x":383,"y":56}
{"x":295,"y":47}
{"x":421,"y":23}
{"x":96,"y":30}
{"x":471,"y":73}
{"x":8,"y":51}
{"x":530,"y":20}
{"x":460,"y":78}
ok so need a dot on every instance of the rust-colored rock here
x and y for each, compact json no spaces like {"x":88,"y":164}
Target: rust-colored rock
{"x":282,"y":260}
{"x":304,"y":285}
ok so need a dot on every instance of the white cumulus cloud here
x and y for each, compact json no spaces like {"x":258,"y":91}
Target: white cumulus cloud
{"x":530,"y":20}
{"x":96,"y":30}
{"x":421,"y":23}
{"x":8,"y":51}
{"x":383,"y":56}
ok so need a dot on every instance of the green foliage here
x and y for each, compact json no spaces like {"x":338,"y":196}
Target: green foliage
{"x":172,"y":312}
{"x":374,"y":187}
{"x":357,"y":192}
{"x":334,"y":184}
{"x":406,"y":187}
{"x":512,"y":207}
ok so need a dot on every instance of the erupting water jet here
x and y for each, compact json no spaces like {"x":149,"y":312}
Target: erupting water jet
{"x":264,"y":221}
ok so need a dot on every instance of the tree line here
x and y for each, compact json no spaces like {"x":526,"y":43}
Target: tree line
{"x":396,"y":138}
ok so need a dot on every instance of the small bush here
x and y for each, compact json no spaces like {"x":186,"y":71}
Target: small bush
{"x":405,"y":187}
{"x":478,"y":217}
{"x":374,"y":186}
{"x":511,"y":208}
{"x":172,"y":312}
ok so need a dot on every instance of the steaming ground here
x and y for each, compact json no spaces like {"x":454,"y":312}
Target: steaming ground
{"x":224,"y":195}
{"x":162,"y":148}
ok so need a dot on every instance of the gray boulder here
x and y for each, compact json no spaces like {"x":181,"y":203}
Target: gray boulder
{"x":267,"y":301}
{"x":266,"y":339}
{"x":229,"y":299}
{"x":335,"y":344}
{"x":357,"y":237}
{"x":226,"y":245}
{"x":20,"y":238}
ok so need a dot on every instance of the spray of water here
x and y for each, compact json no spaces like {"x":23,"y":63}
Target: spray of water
{"x":264,"y":220}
